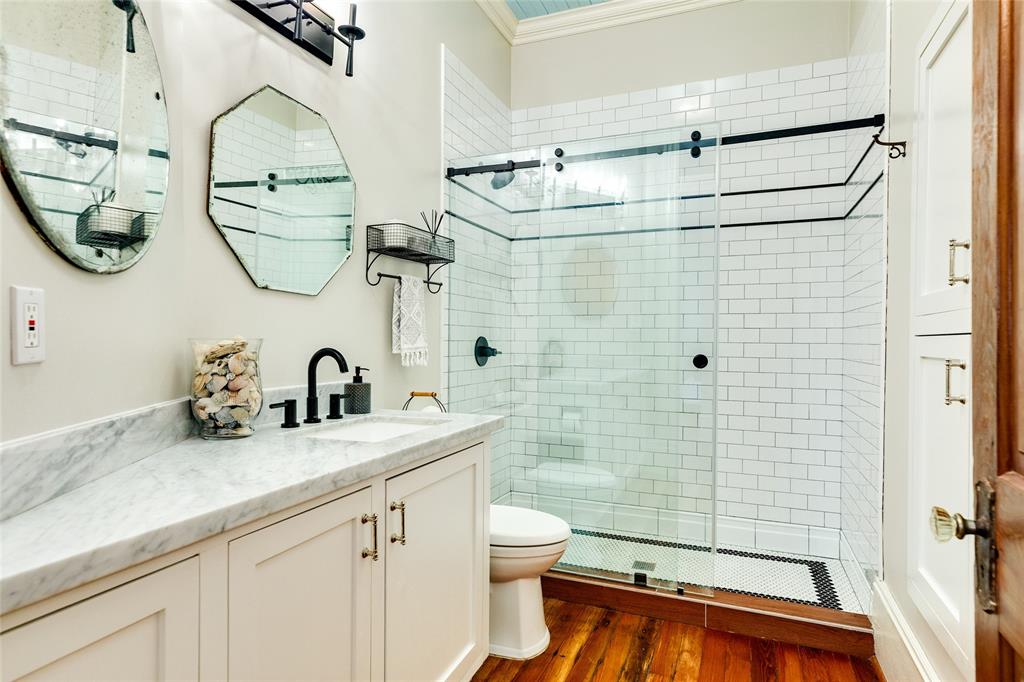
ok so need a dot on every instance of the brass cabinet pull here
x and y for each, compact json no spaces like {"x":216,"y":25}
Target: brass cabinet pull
{"x":367,"y":552}
{"x":953,"y":277}
{"x":950,"y":398}
{"x":400,"y":507}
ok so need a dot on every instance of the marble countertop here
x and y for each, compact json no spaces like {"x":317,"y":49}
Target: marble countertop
{"x":197,"y":489}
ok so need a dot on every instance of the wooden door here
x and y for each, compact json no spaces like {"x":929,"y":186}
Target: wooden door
{"x":998,"y":321}
{"x":147,"y":629}
{"x":437,"y":570}
{"x":299,"y":596}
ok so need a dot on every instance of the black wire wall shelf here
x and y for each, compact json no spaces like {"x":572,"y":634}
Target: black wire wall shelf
{"x":104,"y":226}
{"x":406,"y":242}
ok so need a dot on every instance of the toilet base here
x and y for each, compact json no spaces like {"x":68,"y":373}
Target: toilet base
{"x":518,"y":629}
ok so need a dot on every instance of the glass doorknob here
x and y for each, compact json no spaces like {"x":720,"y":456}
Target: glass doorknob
{"x":946,"y":526}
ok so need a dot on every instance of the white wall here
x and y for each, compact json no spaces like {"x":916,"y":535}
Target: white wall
{"x":909,"y":19}
{"x":118,"y":342}
{"x":740,"y":37}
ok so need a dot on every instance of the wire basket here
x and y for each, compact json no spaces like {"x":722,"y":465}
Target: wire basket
{"x":399,"y":240}
{"x":111,"y":227}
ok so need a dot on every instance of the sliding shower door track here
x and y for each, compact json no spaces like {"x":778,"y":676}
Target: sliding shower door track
{"x":838,"y":631}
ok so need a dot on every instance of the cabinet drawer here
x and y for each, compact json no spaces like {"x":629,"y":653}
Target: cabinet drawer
{"x":147,"y":629}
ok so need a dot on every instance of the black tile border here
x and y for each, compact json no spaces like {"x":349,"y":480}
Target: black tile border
{"x":828,"y":598}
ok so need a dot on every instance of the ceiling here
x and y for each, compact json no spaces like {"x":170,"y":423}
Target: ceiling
{"x":526,"y":9}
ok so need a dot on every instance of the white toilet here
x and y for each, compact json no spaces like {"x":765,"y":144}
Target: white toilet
{"x":524,"y":544}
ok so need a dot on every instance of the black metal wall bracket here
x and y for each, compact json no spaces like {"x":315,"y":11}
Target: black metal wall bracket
{"x":429,"y":281}
{"x":292,"y":18}
{"x":896,"y":149}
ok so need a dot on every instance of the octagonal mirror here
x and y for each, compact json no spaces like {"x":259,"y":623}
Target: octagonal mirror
{"x":281,"y":193}
{"x":83,"y":139}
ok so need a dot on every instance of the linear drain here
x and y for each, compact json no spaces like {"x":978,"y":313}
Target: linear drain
{"x":643,"y":565}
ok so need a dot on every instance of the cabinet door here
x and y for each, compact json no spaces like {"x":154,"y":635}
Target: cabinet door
{"x":299,"y":596}
{"x":941,"y":575}
{"x":941,"y":152}
{"x":147,"y":629}
{"x":436,"y":583}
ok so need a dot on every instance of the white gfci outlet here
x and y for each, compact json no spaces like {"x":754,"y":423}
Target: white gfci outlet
{"x":28,"y":326}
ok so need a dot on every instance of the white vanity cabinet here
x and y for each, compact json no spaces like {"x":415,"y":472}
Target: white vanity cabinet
{"x":436,"y":582}
{"x":147,"y":629}
{"x":299,"y":596}
{"x":342,"y":587}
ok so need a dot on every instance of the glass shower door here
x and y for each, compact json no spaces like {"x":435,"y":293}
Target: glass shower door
{"x":614,"y":302}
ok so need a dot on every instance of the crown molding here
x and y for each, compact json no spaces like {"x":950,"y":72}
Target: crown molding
{"x":584,"y":19}
{"x":501,"y":16}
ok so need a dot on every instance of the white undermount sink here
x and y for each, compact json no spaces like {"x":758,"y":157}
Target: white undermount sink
{"x":374,"y":430}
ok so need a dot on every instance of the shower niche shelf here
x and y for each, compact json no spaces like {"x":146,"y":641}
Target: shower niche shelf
{"x":399,"y":240}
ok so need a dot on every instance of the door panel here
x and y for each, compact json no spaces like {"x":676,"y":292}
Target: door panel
{"x":942,"y":172}
{"x":299,"y":596}
{"x":940,"y":574}
{"x":439,"y":574}
{"x":147,"y":629}
{"x":997,"y":320}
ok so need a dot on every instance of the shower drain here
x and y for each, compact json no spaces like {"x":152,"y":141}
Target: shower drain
{"x":643,"y":565}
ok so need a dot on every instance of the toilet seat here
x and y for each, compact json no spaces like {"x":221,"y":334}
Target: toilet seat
{"x":520,"y":527}
{"x":529,"y":552}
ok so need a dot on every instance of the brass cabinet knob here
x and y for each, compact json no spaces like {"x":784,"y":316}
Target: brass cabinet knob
{"x":946,"y":526}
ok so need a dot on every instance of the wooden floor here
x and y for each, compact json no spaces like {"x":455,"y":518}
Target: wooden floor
{"x":591,"y":643}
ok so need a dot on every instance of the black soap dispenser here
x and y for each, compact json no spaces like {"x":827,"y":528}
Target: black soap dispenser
{"x":357,"y":394}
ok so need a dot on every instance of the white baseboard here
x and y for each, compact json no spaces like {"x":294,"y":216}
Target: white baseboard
{"x":900,"y":653}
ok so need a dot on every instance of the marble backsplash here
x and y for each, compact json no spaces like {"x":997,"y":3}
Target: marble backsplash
{"x":38,"y":468}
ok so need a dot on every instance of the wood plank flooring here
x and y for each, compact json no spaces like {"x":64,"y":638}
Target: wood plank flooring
{"x":592,"y":643}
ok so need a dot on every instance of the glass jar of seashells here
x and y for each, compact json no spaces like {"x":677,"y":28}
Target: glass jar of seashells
{"x":226,"y":390}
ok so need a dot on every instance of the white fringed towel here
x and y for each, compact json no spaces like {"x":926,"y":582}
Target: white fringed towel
{"x":408,"y":337}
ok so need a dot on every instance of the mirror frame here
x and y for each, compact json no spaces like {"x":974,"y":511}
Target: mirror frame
{"x":23,"y":195}
{"x":209,"y":190}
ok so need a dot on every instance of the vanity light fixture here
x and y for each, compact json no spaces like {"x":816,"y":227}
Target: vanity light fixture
{"x":308,"y":26}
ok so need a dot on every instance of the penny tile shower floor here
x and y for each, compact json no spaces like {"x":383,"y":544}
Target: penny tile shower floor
{"x":786,"y":577}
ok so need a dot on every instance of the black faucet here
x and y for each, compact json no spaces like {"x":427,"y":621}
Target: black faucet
{"x":312,"y":406}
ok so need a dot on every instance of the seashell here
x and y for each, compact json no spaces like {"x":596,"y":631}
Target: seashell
{"x":206,"y":368}
{"x":243,"y":395}
{"x":220,"y":398}
{"x":225,"y":348}
{"x":250,"y":370}
{"x":236,"y":364}
{"x":240,"y":414}
{"x":242,"y":431}
{"x":201,"y":393}
{"x":203,"y":407}
{"x":199,"y":382}
{"x":216,"y":383}
{"x":238,"y":383}
{"x":224,"y":417}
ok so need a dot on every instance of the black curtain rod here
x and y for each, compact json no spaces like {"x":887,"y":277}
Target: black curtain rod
{"x":875,"y":121}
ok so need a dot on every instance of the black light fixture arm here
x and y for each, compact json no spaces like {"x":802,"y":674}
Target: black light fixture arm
{"x":347,"y":34}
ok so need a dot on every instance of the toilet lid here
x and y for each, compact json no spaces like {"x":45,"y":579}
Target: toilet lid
{"x":520,"y":527}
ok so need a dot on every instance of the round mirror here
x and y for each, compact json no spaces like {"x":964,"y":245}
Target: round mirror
{"x":83,"y":138}
{"x":281,"y":193}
